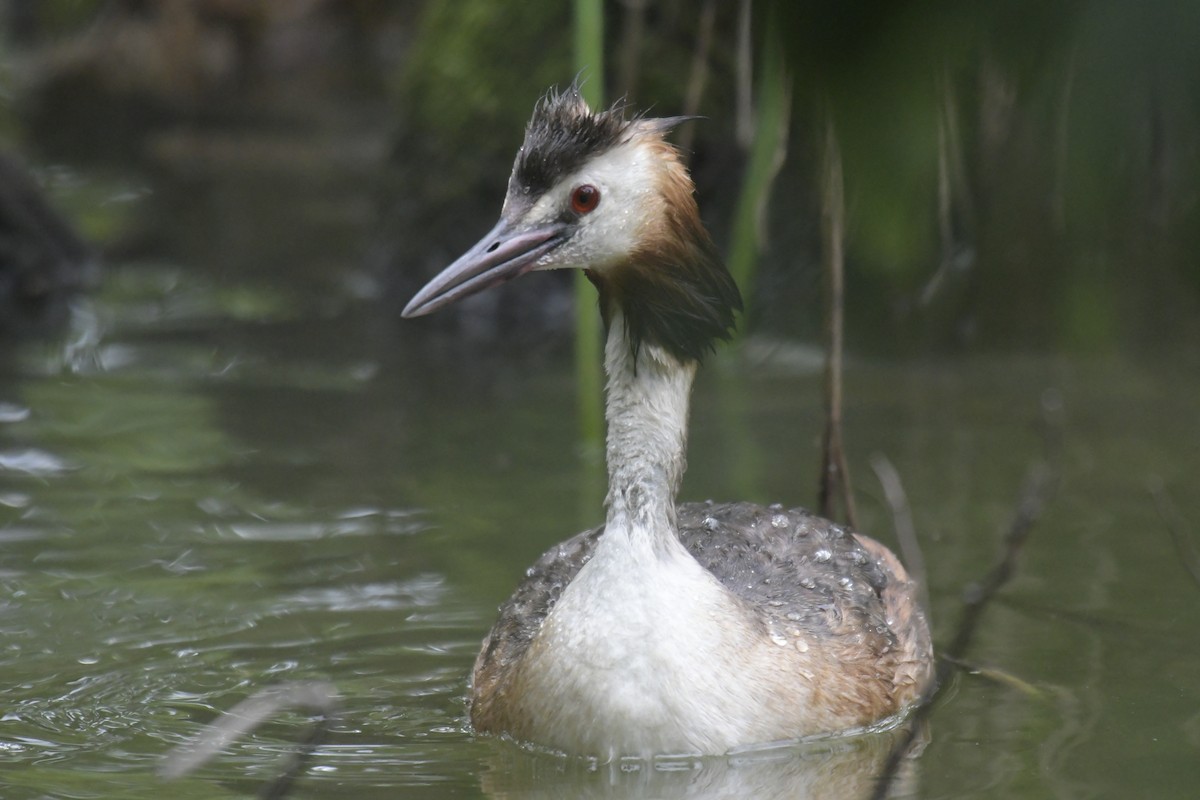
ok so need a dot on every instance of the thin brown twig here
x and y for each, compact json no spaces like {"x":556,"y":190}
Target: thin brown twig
{"x":835,"y":471}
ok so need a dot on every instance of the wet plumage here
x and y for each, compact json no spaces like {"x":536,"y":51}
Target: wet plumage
{"x":835,"y":596}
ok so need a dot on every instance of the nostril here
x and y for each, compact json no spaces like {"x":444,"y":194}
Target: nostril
{"x":492,"y":247}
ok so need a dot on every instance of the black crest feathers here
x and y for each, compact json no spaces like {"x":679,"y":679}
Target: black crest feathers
{"x":675,"y":290}
{"x":563,"y":134}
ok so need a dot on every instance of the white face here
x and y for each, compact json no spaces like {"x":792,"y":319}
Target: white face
{"x":626,"y":178}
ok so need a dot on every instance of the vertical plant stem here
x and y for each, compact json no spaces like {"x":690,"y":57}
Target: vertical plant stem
{"x":766,"y":157}
{"x":835,"y":472}
{"x":589,"y":62}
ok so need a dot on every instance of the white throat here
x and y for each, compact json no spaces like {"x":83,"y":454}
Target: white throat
{"x":647,"y":413}
{"x":616,"y":667}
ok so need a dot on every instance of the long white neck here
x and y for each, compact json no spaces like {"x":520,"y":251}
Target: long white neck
{"x":647,"y":412}
{"x":615,"y":669}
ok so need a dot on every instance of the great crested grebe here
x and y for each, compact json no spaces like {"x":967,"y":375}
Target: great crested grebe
{"x":670,"y":629}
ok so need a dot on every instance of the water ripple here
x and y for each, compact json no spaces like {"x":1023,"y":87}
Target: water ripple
{"x":11,"y":412}
{"x":423,"y":591}
{"x":32,"y":461}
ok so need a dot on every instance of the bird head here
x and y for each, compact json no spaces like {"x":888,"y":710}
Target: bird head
{"x":598,"y":191}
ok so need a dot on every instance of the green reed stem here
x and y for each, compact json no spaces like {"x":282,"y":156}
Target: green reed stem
{"x":589,"y":378}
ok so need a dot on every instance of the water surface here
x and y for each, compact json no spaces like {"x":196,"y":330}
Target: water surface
{"x":207,"y":487}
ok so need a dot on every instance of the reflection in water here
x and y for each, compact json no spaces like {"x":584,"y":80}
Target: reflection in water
{"x":829,"y":769}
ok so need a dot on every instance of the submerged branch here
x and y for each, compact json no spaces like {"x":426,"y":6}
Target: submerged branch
{"x":317,"y":697}
{"x":1039,"y":486}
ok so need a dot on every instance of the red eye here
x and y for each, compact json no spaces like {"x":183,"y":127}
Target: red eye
{"x":585,"y":198}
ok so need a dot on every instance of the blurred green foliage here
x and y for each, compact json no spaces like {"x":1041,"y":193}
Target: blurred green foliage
{"x":994,"y":155}
{"x":1017,"y":174}
{"x":477,"y":66}
{"x":1074,"y":139}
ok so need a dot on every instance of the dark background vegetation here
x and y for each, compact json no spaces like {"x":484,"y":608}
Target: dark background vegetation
{"x":1018,"y":174}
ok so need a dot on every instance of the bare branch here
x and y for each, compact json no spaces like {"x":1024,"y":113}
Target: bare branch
{"x":316,"y":697}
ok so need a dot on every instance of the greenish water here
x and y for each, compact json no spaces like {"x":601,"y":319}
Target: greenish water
{"x":206,"y":489}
